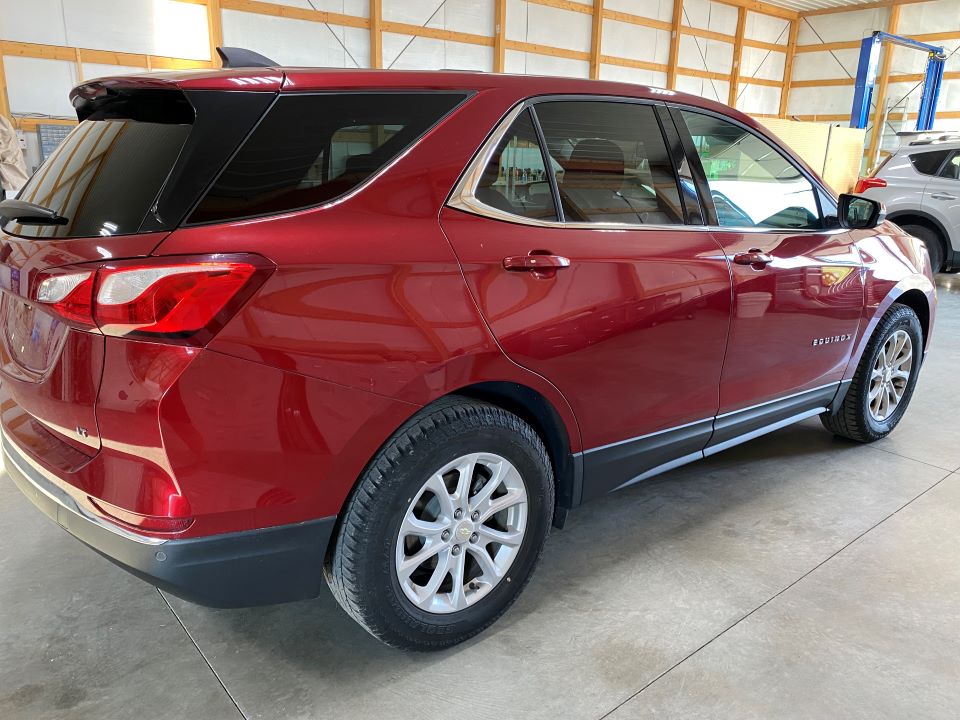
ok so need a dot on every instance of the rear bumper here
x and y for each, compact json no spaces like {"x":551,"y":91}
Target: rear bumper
{"x":257,"y":567}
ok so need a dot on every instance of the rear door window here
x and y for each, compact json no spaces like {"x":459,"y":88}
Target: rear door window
{"x":311,"y":149}
{"x":611,"y":163}
{"x":951,"y":168}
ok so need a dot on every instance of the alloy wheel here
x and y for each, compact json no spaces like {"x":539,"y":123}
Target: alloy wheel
{"x":461,"y":532}
{"x":890,"y":375}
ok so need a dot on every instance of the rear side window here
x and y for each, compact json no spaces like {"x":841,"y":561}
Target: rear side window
{"x":310,"y":149}
{"x":928,"y":163}
{"x":611,"y":163}
{"x":104,"y":177}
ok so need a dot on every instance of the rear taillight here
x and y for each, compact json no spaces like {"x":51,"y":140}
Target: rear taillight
{"x":865,"y":183}
{"x":70,"y":295}
{"x":178,"y":301}
{"x":166,"y":300}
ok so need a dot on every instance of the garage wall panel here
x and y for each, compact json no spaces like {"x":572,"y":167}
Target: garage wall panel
{"x":826,"y":65}
{"x":541,"y":24}
{"x":37,"y":21}
{"x":708,"y":15}
{"x":766,"y":28}
{"x":297,"y":42}
{"x":635,"y":42}
{"x":703,"y":54}
{"x":150,"y":27}
{"x":821,"y":101}
{"x":534,"y":64}
{"x":471,"y":16}
{"x":619,"y":73}
{"x":710,"y":89}
{"x":758,"y":99}
{"x":407,"y":52}
{"x":357,"y":8}
{"x":760,"y":63}
{"x":40,"y":86}
{"x":929,"y":17}
{"x":653,"y":9}
{"x":839,"y":27}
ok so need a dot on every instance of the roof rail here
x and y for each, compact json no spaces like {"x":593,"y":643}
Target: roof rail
{"x":928,"y":137}
{"x":234,"y":57}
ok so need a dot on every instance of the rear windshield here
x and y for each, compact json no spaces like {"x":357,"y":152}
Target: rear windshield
{"x":104,"y":177}
{"x":310,"y":149}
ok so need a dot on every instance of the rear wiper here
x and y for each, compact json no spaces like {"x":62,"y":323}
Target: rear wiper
{"x":28,"y":213}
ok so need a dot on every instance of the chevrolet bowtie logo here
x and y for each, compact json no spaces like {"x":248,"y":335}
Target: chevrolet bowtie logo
{"x":831,"y":339}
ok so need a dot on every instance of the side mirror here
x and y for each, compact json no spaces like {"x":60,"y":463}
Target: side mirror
{"x":859,"y":213}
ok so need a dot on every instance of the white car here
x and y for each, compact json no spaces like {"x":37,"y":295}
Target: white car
{"x":920,"y":186}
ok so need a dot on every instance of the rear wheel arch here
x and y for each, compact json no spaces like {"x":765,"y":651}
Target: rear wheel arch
{"x":914,"y":217}
{"x":530,"y":406}
{"x":536,"y":410}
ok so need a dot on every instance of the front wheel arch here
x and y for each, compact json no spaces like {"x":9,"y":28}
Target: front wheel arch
{"x":917,"y":301}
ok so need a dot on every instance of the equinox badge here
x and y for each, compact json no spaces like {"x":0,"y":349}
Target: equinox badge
{"x":831,"y":339}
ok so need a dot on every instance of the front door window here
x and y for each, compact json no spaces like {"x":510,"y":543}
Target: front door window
{"x":751,"y":183}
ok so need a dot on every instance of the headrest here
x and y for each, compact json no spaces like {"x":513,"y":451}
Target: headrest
{"x":361,"y":164}
{"x":491,"y":173}
{"x":596,"y":155}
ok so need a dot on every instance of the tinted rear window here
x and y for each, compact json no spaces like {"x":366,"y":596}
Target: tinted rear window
{"x":104,"y":177}
{"x":928,"y":163}
{"x":310,"y":149}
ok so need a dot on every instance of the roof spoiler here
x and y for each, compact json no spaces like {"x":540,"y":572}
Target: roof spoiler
{"x":234,"y":57}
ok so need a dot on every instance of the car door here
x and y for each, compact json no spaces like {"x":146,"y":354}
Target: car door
{"x":797,"y":283}
{"x":571,"y":231}
{"x":941,"y":196}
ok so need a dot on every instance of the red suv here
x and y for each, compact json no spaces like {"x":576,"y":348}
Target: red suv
{"x":262,"y":326}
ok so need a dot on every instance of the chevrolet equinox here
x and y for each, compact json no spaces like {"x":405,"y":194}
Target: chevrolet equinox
{"x":267,"y":326}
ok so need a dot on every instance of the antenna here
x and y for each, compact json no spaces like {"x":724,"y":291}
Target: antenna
{"x":234,"y":57}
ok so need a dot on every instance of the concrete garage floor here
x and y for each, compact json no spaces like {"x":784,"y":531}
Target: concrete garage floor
{"x":796,"y":576}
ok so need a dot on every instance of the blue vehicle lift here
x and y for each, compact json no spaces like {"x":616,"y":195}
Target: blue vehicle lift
{"x":867,"y":75}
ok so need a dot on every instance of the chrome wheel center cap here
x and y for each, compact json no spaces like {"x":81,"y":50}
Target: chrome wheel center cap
{"x":464,"y":531}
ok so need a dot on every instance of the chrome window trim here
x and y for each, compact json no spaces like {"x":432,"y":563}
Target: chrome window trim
{"x":463,"y":196}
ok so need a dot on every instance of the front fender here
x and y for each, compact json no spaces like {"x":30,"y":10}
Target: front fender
{"x":894,"y":264}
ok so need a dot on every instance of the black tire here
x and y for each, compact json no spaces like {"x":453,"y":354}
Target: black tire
{"x":932,"y":240}
{"x":854,"y":419}
{"x":361,"y":570}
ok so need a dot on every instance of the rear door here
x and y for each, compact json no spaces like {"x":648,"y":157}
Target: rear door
{"x":572,"y":233}
{"x":122,"y":179}
{"x":941,"y":196}
{"x":797,"y":284}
